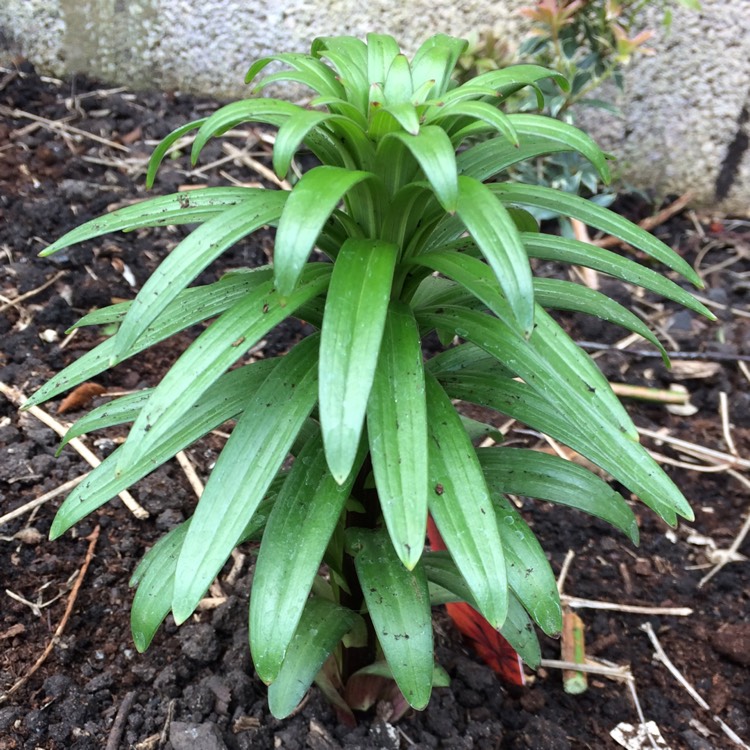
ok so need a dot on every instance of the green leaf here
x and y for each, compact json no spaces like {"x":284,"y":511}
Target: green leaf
{"x":353,"y":322}
{"x":213,"y":352}
{"x":349,"y":56}
{"x":495,"y":233}
{"x":625,"y":460}
{"x":266,"y":430}
{"x":547,"y":247}
{"x":322,"y":626}
{"x":191,"y":257}
{"x":507,"y":81}
{"x":529,"y":573}
{"x":291,"y":135}
{"x":224,"y":401}
{"x":432,"y":148}
{"x":382,"y":49}
{"x":118,"y":411}
{"x":434,"y":63}
{"x":469,"y":357}
{"x":194,"y":206}
{"x":555,"y":131}
{"x":405,"y":114}
{"x":557,"y":294}
{"x":162,"y":149}
{"x":296,"y":536}
{"x":397,"y":433}
{"x":191,"y":306}
{"x":519,"y":471}
{"x":483,"y":113}
{"x":268,"y":111}
{"x":538,"y":136}
{"x":474,"y":276}
{"x":307,"y":71}
{"x":517,"y":629}
{"x":460,"y":505}
{"x":307,"y":209}
{"x":399,"y":605}
{"x":398,"y":87}
{"x":549,"y":362}
{"x":598,"y":217}
{"x":154,"y":578}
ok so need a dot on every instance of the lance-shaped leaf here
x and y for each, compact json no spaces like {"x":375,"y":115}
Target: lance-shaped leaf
{"x":513,"y":78}
{"x":154,"y":578}
{"x":460,"y":504}
{"x":306,"y":70}
{"x":397,"y":432}
{"x":434,"y":62}
{"x":549,"y":362}
{"x":564,"y":250}
{"x":307,"y":209}
{"x":519,"y":471}
{"x":483,"y":115}
{"x":353,"y":323}
{"x":297,"y":533}
{"x":495,"y":233}
{"x":398,"y":85}
{"x":529,"y":573}
{"x":556,"y":294}
{"x":474,"y":276}
{"x":349,"y":56}
{"x":625,"y":460}
{"x":163,"y":148}
{"x":398,"y":602}
{"x":118,"y":411}
{"x":596,"y":216}
{"x":517,"y":629}
{"x":255,"y":451}
{"x":269,"y":111}
{"x":322,"y":625}
{"x":191,"y":306}
{"x":290,"y":137}
{"x":215,"y":350}
{"x":191,"y":256}
{"x":433,"y":150}
{"x":382,"y":49}
{"x":538,"y":136}
{"x":193,"y":207}
{"x":225,"y":400}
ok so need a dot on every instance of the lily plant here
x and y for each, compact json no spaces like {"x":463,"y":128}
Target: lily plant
{"x":404,"y":228}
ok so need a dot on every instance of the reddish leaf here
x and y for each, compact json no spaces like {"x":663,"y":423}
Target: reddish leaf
{"x":493,"y":649}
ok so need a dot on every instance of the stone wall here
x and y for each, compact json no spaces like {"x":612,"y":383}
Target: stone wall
{"x":686,"y":121}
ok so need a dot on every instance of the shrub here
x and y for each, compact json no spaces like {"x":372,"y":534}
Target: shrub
{"x":414,"y":242}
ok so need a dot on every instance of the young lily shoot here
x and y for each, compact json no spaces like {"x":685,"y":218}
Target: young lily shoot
{"x":343,"y":447}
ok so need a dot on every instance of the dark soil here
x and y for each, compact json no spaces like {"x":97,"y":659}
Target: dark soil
{"x":195,"y":687}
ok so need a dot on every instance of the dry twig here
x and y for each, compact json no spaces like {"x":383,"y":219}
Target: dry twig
{"x":27,"y":295}
{"x":92,"y":539}
{"x":16,"y":397}
{"x":661,"y":656}
{"x":731,"y":554}
{"x":42,"y":499}
{"x":59,"y":127}
{"x":576,"y":602}
{"x":706,"y":454}
{"x":190,"y":473}
{"x":651,"y":222}
{"x":118,"y":727}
